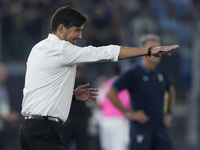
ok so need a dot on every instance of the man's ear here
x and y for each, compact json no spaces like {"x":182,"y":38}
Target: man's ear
{"x":61,"y":28}
{"x":60,"y":31}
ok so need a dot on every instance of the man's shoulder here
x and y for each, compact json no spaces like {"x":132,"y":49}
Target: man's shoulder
{"x":40,"y":43}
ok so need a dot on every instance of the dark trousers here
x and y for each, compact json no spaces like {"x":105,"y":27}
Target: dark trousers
{"x":40,"y":134}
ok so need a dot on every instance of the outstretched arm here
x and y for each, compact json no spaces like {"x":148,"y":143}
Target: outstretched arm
{"x":128,"y":52}
{"x":84,"y":93}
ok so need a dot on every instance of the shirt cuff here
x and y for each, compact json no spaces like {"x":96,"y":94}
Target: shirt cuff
{"x":115,"y":49}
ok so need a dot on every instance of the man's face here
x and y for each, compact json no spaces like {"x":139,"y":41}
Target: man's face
{"x":152,"y":59}
{"x":73,"y":34}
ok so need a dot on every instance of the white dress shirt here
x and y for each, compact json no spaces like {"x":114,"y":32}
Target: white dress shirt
{"x":50,"y":75}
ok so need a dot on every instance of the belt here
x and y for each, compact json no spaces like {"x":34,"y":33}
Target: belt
{"x":56,"y":119}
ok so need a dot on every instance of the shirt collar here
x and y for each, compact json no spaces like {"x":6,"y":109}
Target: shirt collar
{"x":53,"y":37}
{"x":146,"y":69}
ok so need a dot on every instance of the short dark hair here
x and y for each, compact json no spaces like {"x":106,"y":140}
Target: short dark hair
{"x":68,"y":17}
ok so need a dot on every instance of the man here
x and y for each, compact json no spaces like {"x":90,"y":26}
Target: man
{"x":50,"y":75}
{"x":147,"y":83}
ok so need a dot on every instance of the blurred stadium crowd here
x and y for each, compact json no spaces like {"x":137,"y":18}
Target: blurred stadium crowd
{"x":23,"y":23}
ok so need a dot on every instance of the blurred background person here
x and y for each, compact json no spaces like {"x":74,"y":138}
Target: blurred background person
{"x":147,"y":83}
{"x":7,"y":115}
{"x":75,"y":130}
{"x":114,"y":126}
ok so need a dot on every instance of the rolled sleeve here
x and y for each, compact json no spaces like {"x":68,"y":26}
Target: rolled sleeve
{"x":115,"y":49}
{"x":71,"y":54}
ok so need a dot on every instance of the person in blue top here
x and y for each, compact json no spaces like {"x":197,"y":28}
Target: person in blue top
{"x":149,"y":87}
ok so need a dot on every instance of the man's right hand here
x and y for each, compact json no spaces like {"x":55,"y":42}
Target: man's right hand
{"x":163,"y":50}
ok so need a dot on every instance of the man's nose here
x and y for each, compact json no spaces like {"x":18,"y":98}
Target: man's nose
{"x":80,"y":35}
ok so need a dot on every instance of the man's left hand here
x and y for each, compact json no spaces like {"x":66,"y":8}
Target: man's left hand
{"x":84,"y":93}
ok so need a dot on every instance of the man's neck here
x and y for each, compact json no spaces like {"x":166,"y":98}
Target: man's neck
{"x":148,"y":65}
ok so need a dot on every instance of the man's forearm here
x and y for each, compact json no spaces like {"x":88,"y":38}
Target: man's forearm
{"x":128,"y":52}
